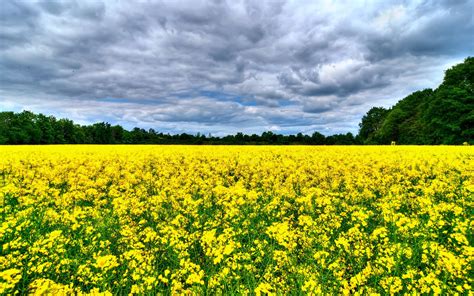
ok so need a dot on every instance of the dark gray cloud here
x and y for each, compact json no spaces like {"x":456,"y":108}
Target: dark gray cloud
{"x":432,"y":28}
{"x":225,"y":66}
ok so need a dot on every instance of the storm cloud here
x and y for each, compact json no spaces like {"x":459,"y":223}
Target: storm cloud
{"x":226,"y":66}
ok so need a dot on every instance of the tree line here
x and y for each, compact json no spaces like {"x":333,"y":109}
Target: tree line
{"x":441,"y":116}
{"x":29,"y":128}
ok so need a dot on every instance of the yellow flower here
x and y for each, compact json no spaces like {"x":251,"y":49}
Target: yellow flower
{"x":102,"y":220}
{"x":264,"y":288}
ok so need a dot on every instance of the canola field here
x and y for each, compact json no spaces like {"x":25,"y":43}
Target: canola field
{"x":213,"y":220}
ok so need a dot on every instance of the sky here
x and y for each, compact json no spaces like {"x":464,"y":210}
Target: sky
{"x":223,"y":67}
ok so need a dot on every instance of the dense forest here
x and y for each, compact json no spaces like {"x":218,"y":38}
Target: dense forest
{"x":441,"y":116}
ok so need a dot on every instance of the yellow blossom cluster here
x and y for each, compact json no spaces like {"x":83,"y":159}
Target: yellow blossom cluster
{"x":147,"y":220}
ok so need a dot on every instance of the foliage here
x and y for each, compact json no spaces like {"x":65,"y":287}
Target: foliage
{"x":442,"y":116}
{"x":208,"y":220}
{"x":371,"y":123}
{"x":29,"y":128}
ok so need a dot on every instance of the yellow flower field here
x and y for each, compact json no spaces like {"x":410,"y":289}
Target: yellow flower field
{"x":236,"y":220}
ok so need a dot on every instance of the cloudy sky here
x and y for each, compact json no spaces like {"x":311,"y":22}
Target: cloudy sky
{"x":226,"y":66}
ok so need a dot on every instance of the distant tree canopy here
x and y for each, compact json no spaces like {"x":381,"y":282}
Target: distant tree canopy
{"x":29,"y":128}
{"x":441,"y":116}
